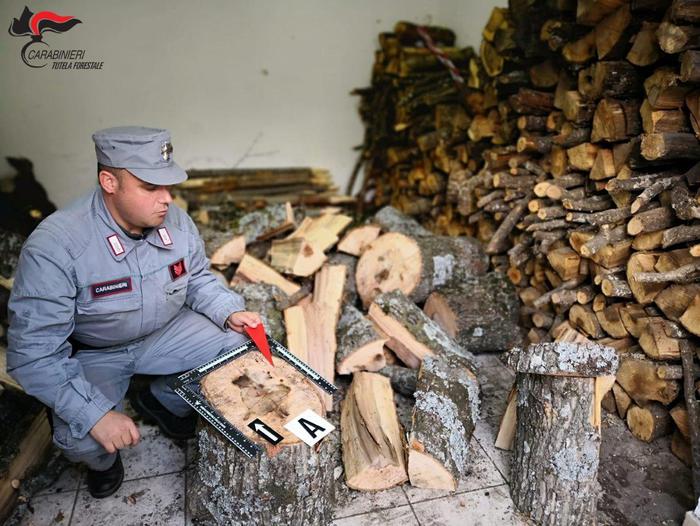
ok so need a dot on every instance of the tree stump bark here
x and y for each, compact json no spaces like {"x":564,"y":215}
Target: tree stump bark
{"x":480,"y":313}
{"x":417,"y":265}
{"x":557,"y":442}
{"x":288,"y":483}
{"x":444,"y":417}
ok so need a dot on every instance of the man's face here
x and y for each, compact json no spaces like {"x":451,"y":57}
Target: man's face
{"x":139,"y":204}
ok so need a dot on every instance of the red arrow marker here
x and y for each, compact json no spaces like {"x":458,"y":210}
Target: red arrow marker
{"x":257,"y":334}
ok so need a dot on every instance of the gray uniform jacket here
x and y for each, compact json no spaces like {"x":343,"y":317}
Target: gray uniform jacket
{"x":80,"y":276}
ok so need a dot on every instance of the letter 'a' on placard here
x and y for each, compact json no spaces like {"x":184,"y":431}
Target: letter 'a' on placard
{"x":309,"y":427}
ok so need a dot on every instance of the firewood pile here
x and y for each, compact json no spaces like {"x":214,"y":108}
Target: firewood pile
{"x":345,"y":299}
{"x":586,"y":192}
{"x":416,"y":120}
{"x":220,"y":196}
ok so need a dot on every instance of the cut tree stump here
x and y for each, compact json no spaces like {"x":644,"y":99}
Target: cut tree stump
{"x":557,"y":442}
{"x":412,"y":335}
{"x":288,"y":483}
{"x":444,"y":417}
{"x":373,"y":447}
{"x":417,"y":265}
{"x":360,"y":347}
{"x":480,"y":313}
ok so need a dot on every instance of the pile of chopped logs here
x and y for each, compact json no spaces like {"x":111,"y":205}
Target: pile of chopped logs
{"x":586,"y":190}
{"x":415,"y":115}
{"x":222,"y":195}
{"x":345,"y":299}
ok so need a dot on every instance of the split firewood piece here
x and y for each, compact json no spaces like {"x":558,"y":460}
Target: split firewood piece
{"x":263,"y":298}
{"x":391,"y":220}
{"x":675,"y":39}
{"x":615,"y":120}
{"x":360,"y":347}
{"x":670,"y":146}
{"x":642,"y":380}
{"x":645,"y":49}
{"x":583,"y":317}
{"x":675,"y":299}
{"x":358,"y":239}
{"x":649,"y":422}
{"x":506,"y":429}
{"x":403,"y":379}
{"x":253,"y":270}
{"x":661,"y":339}
{"x":622,"y":400}
{"x":610,"y":78}
{"x":322,"y":231}
{"x":350,"y":264}
{"x":565,"y":261}
{"x":373,"y":448}
{"x":243,"y":390}
{"x":296,"y":256}
{"x":558,"y":407}
{"x":642,"y":262}
{"x":691,"y":317}
{"x":679,"y":414}
{"x":664,"y":89}
{"x":230,"y":252}
{"x":417,"y":265}
{"x":444,"y":417}
{"x":412,"y":335}
{"x":611,"y":321}
{"x":255,"y":226}
{"x":480,"y":313}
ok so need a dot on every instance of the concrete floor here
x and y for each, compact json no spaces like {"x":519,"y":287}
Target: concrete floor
{"x":641,"y":483}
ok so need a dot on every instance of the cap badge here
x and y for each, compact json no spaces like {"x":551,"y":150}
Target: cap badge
{"x":166,"y":151}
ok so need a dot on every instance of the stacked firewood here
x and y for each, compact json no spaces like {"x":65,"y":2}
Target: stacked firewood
{"x":588,"y":196}
{"x":345,"y":299}
{"x":415,"y":114}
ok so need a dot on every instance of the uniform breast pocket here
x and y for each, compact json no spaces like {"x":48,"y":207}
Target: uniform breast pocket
{"x":109,"y":321}
{"x":175,"y":296}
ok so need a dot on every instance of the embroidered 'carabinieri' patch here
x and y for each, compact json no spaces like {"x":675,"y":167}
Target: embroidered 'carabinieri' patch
{"x":107,"y":288}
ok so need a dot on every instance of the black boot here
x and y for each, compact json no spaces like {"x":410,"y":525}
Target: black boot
{"x":172,"y":426}
{"x":102,"y":484}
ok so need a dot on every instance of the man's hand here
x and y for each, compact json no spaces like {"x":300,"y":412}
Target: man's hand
{"x":238,"y":320}
{"x":115,"y":431}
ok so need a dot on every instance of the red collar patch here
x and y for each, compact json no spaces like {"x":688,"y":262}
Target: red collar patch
{"x":177,"y":269}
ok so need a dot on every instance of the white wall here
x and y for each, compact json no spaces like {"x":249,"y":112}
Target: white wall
{"x":237,"y":82}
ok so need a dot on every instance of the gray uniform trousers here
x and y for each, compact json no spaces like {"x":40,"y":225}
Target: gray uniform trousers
{"x":187,"y":341}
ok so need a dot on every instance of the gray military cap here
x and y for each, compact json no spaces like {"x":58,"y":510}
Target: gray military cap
{"x":145,"y":152}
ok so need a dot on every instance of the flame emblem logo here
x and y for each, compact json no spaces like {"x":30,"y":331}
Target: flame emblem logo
{"x":34,"y":25}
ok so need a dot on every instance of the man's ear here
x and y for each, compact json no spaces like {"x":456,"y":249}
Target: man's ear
{"x":108,"y":181}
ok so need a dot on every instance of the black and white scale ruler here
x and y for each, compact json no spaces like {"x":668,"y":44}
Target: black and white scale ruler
{"x":187,"y":386}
